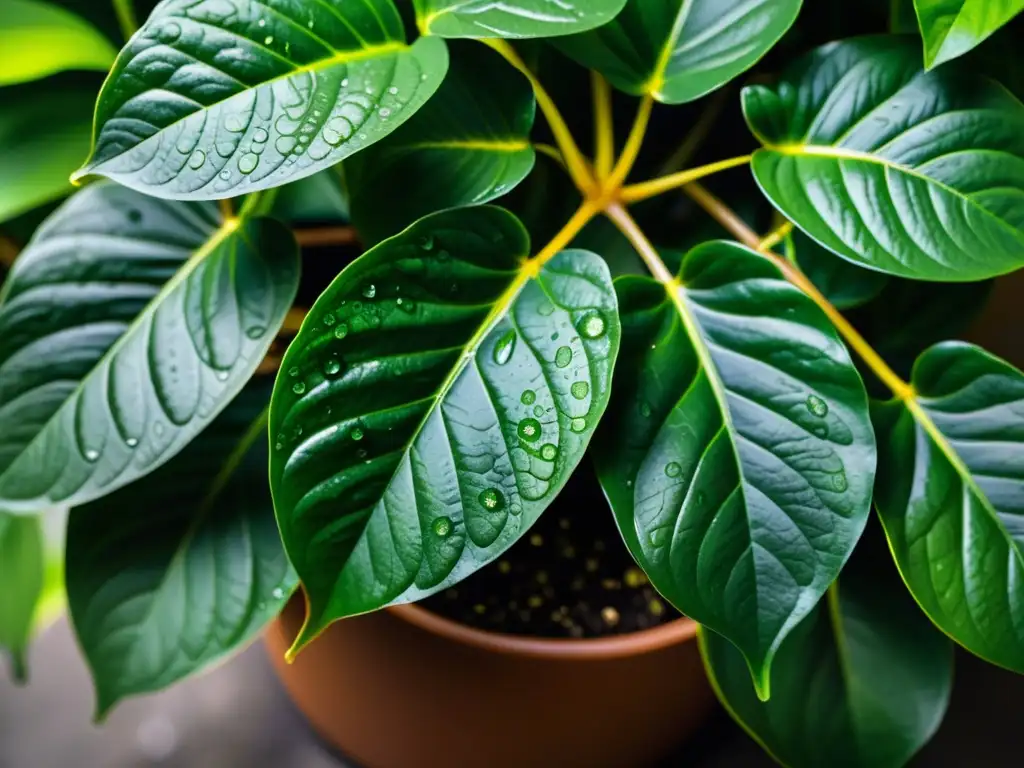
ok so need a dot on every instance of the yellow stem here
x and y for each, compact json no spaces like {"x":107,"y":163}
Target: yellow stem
{"x":695,"y":138}
{"x":728,"y":219}
{"x":604,"y":129}
{"x":627,"y":225}
{"x":631,"y":151}
{"x":579,"y":220}
{"x":579,"y":168}
{"x":552,"y":152}
{"x":775,"y":237}
{"x":227,"y":211}
{"x":637,"y":192}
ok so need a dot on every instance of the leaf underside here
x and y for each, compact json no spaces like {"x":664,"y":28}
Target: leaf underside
{"x":513,"y":18}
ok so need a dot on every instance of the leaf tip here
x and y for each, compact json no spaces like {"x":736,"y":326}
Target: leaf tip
{"x":762,"y":683}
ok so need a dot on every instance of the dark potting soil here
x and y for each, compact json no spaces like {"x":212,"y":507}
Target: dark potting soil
{"x":570,"y":576}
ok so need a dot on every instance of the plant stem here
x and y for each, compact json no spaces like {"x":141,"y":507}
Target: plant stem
{"x":637,"y":192}
{"x":695,"y":138}
{"x":728,"y":219}
{"x":628,"y":226}
{"x":227,"y":211}
{"x":258,"y":203}
{"x":631,"y":151}
{"x":604,"y":129}
{"x":309,"y":238}
{"x":775,"y":237}
{"x":125,"y":11}
{"x":552,"y":152}
{"x":579,"y":220}
{"x":579,"y":168}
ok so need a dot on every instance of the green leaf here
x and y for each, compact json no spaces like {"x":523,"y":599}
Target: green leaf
{"x":844,"y":284}
{"x":217,"y":99}
{"x":159,"y":596}
{"x":126,"y":325}
{"x":918,"y":174}
{"x":435,"y":401}
{"x":22,"y":567}
{"x":863,"y":681}
{"x":512,"y":18}
{"x":680,"y":50}
{"x":44,"y":134}
{"x":738,"y":455}
{"x":38,"y":39}
{"x":951,"y":28}
{"x":321,"y":197}
{"x":468,"y":145}
{"x":950,"y":482}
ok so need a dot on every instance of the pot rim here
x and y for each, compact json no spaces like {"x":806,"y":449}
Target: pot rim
{"x":675,"y":632}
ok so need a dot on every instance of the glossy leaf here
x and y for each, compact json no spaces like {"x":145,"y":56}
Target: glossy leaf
{"x":22,"y":567}
{"x":680,"y":50}
{"x":844,"y":284}
{"x":951,"y":28}
{"x":738,"y":455}
{"x":468,"y":145}
{"x":918,"y":174}
{"x":436,"y":399}
{"x":220,"y":98}
{"x":951,"y":496}
{"x":38,"y":39}
{"x":512,"y":18}
{"x":862,"y":682}
{"x":159,"y":596}
{"x":126,"y":325}
{"x":44,"y":134}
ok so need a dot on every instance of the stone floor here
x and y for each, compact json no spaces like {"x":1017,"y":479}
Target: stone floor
{"x":237,"y":717}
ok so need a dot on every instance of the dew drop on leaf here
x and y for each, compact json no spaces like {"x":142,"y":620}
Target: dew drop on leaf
{"x":278,"y":593}
{"x":293,"y":371}
{"x":645,"y":409}
{"x":332,"y":367}
{"x":538,"y":411}
{"x":247,"y":164}
{"x":92,"y":454}
{"x":505,"y":347}
{"x":427,"y":243}
{"x":234,"y":124}
{"x":328,"y":319}
{"x":222,"y":375}
{"x":580,"y":389}
{"x":196,"y":161}
{"x":529,"y":397}
{"x":131,"y":442}
{"x":356,"y":434}
{"x":563,"y":357}
{"x":817,"y":406}
{"x":659,"y":537}
{"x":548,"y":452}
{"x":369,"y":290}
{"x":673,"y":469}
{"x":492,"y":499}
{"x":592,"y":326}
{"x":298,"y":388}
{"x":839,"y":483}
{"x":442,"y":526}
{"x":578,"y":424}
{"x":529,"y":430}
{"x":341,"y":331}
{"x":255,"y":331}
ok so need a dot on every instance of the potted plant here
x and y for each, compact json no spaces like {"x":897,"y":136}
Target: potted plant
{"x":488,"y":308}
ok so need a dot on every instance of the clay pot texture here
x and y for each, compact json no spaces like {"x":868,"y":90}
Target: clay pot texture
{"x":406,"y":688}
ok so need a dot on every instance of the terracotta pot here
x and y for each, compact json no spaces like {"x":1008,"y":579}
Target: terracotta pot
{"x":405,"y":688}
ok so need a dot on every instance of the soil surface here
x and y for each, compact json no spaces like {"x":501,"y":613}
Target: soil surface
{"x":570,"y":576}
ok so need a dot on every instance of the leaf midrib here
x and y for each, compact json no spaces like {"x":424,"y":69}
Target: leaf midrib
{"x":841,"y":153}
{"x":656,"y":80}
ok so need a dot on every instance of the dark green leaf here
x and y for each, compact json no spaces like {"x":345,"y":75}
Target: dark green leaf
{"x":321,"y":197}
{"x":22,"y":566}
{"x":918,"y":174}
{"x":862,"y":682}
{"x":738,"y":456}
{"x":158,"y":596}
{"x":126,"y":325}
{"x":217,"y":99}
{"x":951,"y":496}
{"x":38,"y":39}
{"x":512,"y":18}
{"x":844,"y":284}
{"x":951,"y":28}
{"x":468,"y":145}
{"x":44,"y":134}
{"x":680,"y":50}
{"x":436,"y":400}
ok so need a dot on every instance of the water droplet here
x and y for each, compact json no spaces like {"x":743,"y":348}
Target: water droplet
{"x":369,"y":290}
{"x":332,"y":367}
{"x":298,"y":387}
{"x":344,"y":83}
{"x":538,"y":411}
{"x":839,"y":483}
{"x":529,"y":397}
{"x":393,"y":90}
{"x":427,"y":243}
{"x":374,"y":322}
{"x":293,"y":371}
{"x":247,"y":164}
{"x":492,"y":499}
{"x":356,"y":434}
{"x":578,"y":424}
{"x":545,"y":308}
{"x":268,"y":40}
{"x":548,"y":452}
{"x":225,"y":175}
{"x":196,"y":161}
{"x":645,"y":409}
{"x":505,"y":347}
{"x":659,"y":537}
{"x":442,"y":526}
{"x":311,"y":23}
{"x":580,"y":389}
{"x":563,"y":357}
{"x":278,"y":593}
{"x":384,"y":113}
{"x":255,"y":331}
{"x":131,"y":442}
{"x":92,"y":455}
{"x":592,"y":326}
{"x":263,"y":22}
{"x":221,"y":375}
{"x":234,"y":123}
{"x":158,"y":429}
{"x":260,"y":136}
{"x":699,"y":498}
{"x":529,"y":430}
{"x":817,"y":406}
{"x":673,"y":469}
{"x":285,"y":144}
{"x":341,"y":331}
